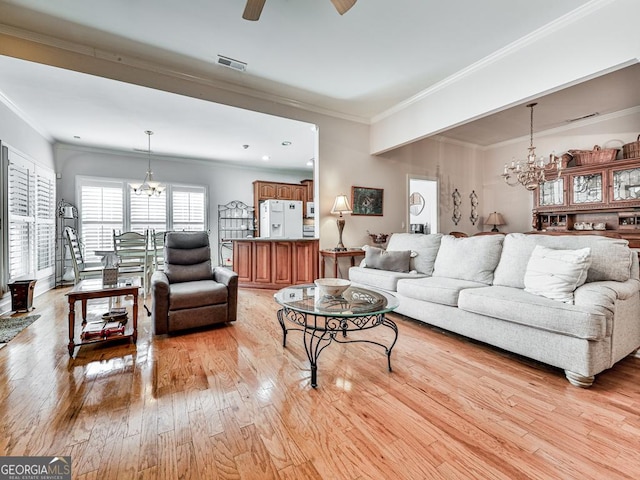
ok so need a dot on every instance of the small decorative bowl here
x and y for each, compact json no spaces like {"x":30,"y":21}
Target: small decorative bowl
{"x":379,"y":238}
{"x":332,"y":287}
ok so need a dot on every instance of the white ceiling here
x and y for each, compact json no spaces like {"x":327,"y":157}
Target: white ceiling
{"x":357,"y":65}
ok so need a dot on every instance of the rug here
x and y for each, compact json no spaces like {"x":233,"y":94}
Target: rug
{"x":11,"y":326}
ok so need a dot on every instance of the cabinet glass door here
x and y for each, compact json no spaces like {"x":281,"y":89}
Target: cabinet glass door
{"x":552,"y":193}
{"x":587,"y":188}
{"x":626,"y":184}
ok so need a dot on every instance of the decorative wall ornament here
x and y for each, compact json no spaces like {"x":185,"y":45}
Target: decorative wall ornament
{"x":474,"y":207}
{"x":457,"y":201}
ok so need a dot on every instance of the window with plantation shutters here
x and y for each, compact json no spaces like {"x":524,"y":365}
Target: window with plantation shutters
{"x":31,"y":221}
{"x":107,"y":204}
{"x":101,"y":212}
{"x":148,"y":213}
{"x":45,"y":220}
{"x":188,"y":208}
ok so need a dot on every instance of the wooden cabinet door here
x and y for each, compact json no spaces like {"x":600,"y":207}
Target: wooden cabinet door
{"x":309,"y":186}
{"x":282,"y":256}
{"x":284,"y":191}
{"x":305,"y":262}
{"x":242,"y":261}
{"x":299,"y":192}
{"x":266,"y":190}
{"x":262,"y":262}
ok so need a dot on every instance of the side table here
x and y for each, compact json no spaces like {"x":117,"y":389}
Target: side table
{"x":351,"y":253}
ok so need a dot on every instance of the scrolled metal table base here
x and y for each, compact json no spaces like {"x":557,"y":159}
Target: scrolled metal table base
{"x":322,"y":330}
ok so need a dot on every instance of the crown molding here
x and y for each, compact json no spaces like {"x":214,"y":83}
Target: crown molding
{"x":25,"y":118}
{"x":173,"y":159}
{"x":503,"y":52}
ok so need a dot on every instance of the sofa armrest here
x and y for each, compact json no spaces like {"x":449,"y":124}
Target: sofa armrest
{"x":160,"y":302}
{"x":605,"y":292}
{"x":229,"y":278}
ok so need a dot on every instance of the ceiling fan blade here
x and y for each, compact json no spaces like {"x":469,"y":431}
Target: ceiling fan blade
{"x":253,"y":9}
{"x":343,"y":6}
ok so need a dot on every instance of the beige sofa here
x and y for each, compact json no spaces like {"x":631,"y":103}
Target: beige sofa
{"x":476,"y":287}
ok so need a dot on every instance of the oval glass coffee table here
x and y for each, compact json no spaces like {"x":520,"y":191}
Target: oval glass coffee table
{"x":327,"y":319}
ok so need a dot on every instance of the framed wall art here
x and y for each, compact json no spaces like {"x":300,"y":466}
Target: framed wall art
{"x":366,"y":201}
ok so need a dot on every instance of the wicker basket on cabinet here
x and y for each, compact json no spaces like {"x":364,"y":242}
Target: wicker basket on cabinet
{"x":597,"y":155}
{"x":631,"y":150}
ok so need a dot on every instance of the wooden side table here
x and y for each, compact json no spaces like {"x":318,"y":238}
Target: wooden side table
{"x":352,"y":253}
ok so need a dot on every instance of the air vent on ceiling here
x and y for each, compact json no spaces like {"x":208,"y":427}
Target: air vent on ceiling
{"x":231,"y":63}
{"x":594,"y":114}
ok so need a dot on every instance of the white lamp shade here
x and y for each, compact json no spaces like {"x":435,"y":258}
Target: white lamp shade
{"x":341,"y":205}
{"x":494,"y":218}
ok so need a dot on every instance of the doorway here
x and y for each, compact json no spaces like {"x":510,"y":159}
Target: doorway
{"x":423,"y":204}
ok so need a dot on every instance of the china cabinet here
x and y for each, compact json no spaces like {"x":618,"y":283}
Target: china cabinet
{"x":592,"y":199}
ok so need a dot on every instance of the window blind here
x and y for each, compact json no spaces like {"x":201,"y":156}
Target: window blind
{"x":31,"y":207}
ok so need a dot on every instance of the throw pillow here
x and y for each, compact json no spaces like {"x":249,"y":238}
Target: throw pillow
{"x":556,"y":274}
{"x":395,"y":261}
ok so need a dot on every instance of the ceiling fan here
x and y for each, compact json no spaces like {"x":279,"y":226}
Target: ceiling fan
{"x":253,"y":9}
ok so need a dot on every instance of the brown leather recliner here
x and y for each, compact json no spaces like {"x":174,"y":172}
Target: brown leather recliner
{"x":190,"y":293}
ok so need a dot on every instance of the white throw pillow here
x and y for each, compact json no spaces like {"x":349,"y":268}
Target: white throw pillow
{"x":555,"y":274}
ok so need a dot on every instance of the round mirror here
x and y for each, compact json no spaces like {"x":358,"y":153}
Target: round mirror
{"x":416,"y":203}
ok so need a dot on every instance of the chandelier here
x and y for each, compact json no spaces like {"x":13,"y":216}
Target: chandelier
{"x":149,"y":186}
{"x":530,"y":173}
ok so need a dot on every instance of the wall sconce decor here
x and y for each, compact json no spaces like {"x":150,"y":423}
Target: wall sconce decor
{"x":474,"y":207}
{"x":457,"y":201}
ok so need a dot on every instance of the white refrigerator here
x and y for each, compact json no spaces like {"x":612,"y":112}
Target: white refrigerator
{"x":281,"y":219}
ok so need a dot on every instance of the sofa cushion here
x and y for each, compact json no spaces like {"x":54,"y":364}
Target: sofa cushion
{"x":196,"y":294}
{"x":442,"y":290}
{"x":610,"y":257}
{"x":425,"y":246}
{"x":556,"y":274}
{"x":382,"y":279}
{"x":469,"y":258}
{"x":517,"y":306}
{"x":394,"y":261}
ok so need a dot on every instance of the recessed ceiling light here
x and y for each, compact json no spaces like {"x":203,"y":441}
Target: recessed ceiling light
{"x":266,"y":157}
{"x":286,"y":143}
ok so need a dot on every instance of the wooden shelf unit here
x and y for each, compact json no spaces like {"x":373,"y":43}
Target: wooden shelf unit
{"x":606,"y":193}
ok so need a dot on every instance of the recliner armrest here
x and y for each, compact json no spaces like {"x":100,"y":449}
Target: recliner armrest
{"x":229,"y":278}
{"x":160,"y":302}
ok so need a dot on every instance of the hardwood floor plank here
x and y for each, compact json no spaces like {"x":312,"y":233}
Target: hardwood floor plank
{"x":230,"y":402}
{"x":186,"y":465}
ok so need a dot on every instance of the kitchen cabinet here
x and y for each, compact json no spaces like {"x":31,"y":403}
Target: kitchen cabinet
{"x":264,"y":190}
{"x":603,"y":194}
{"x":275,"y":263}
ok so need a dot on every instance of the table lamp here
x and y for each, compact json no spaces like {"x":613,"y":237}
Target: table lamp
{"x":495,"y":219}
{"x":340,"y":206}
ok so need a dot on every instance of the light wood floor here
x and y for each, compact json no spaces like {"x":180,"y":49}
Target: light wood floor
{"x":230,"y":402}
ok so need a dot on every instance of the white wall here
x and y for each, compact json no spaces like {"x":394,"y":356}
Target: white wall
{"x":456,"y":166}
{"x":20,"y":135}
